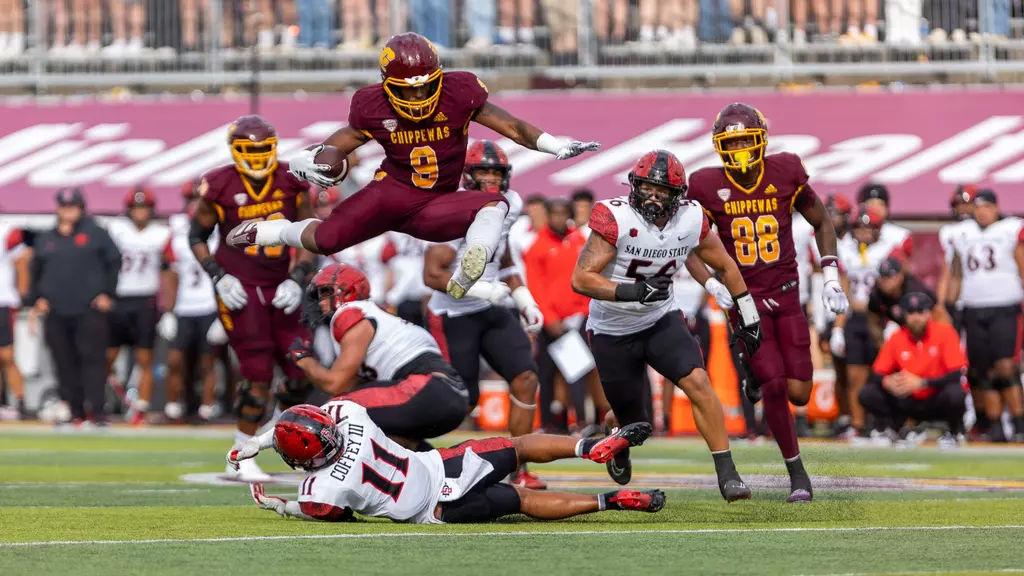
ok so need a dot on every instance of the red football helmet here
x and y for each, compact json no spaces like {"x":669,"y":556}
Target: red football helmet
{"x":740,"y":135}
{"x":335,"y":285}
{"x":964,"y":194}
{"x":485,"y":154}
{"x":868,"y":216}
{"x":838,"y":204}
{"x":139,"y":196}
{"x":325,"y":197}
{"x":253,"y":144}
{"x":410,"y":61}
{"x":661,"y":168}
{"x":306,"y":438}
{"x":190,"y":189}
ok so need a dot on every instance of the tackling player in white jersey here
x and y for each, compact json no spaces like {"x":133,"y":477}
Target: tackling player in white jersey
{"x":350,"y":466}
{"x":988,"y":264}
{"x":479,"y":324}
{"x":133,"y":320}
{"x":190,"y":325}
{"x":861,"y":253}
{"x":637,"y":244}
{"x":391,"y":367}
{"x":403,"y":255}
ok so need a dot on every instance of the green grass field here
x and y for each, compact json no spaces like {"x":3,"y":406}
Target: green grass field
{"x":146,"y":502}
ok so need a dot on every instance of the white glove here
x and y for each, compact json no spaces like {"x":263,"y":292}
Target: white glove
{"x":493,"y":292}
{"x":249,"y":449}
{"x":275,"y":503}
{"x":834,"y":298}
{"x":216,"y":335}
{"x":167,"y":327}
{"x":304,"y":167}
{"x":288,"y":296}
{"x":720,"y":293}
{"x":574,"y":148}
{"x":231,"y":292}
{"x":837,"y":342}
{"x":530,"y":315}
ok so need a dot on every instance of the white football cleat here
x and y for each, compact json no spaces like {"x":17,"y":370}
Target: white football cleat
{"x":474,"y":261}
{"x":249,"y":471}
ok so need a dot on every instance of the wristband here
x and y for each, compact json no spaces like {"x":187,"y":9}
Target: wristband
{"x":830,"y":273}
{"x":213,"y":269}
{"x":523,"y":297}
{"x":301,"y":272}
{"x":748,"y":309}
{"x":550,"y":144}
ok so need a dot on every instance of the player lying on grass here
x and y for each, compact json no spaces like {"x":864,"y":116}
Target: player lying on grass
{"x":350,"y":466}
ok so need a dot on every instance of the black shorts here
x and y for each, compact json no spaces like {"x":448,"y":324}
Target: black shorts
{"x":426,"y":363}
{"x":7,"y":318}
{"x":499,"y":452}
{"x":495,"y":334}
{"x":992,"y":334}
{"x":192,"y":332}
{"x":622,"y":361}
{"x":133,"y":322}
{"x":416,"y":408}
{"x":412,"y":312}
{"x":860,"y":346}
{"x":701,"y":329}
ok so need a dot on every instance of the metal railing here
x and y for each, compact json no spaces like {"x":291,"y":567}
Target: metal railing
{"x":324,"y":44}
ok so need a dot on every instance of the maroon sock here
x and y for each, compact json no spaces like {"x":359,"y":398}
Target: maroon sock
{"x":780,"y":419}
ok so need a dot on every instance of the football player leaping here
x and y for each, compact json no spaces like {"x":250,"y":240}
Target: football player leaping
{"x":751,"y":199}
{"x":421,"y":116}
{"x":350,"y":466}
{"x":638,"y":242}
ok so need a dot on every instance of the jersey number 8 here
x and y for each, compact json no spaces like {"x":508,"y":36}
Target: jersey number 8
{"x":756,"y":240}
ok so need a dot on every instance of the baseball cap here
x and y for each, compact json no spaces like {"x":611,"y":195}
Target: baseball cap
{"x":890,"y":267}
{"x":916,"y":302}
{"x":70,"y":197}
{"x":985,"y":195}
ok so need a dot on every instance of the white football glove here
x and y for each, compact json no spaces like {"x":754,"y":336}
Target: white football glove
{"x":493,"y":292}
{"x":720,"y":293}
{"x":530,"y":315}
{"x":834,"y":298}
{"x":304,"y":167}
{"x":167,"y":327}
{"x":574,"y":148}
{"x":288,"y":296}
{"x":275,"y":503}
{"x":216,"y":335}
{"x":249,"y":449}
{"x":837,"y":342}
{"x":231,"y":292}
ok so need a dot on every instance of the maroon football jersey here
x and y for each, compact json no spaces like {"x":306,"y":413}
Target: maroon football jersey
{"x":428,"y":155}
{"x":756,"y":226}
{"x":237,"y":201}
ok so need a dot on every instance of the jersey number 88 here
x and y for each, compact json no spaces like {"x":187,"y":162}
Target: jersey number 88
{"x":756,"y":240}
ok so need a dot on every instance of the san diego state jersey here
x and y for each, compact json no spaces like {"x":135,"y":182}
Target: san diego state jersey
{"x":403,"y":255}
{"x":861,"y":262}
{"x":195,"y":289}
{"x":428,"y":154}
{"x":141,"y":254}
{"x":756,"y":225}
{"x":373,"y":476}
{"x":642,"y":250}
{"x":990,"y":274}
{"x":806,"y":254}
{"x":395,"y":341}
{"x":441,"y":302}
{"x":950,"y":236}
{"x":237,"y":201}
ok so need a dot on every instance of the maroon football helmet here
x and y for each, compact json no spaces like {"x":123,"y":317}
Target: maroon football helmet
{"x":740,"y":135}
{"x":661,"y":168}
{"x":253,"y":144}
{"x":410,"y":61}
{"x":485,"y":154}
{"x":139,"y":196}
{"x":335,"y":285}
{"x":306,"y":438}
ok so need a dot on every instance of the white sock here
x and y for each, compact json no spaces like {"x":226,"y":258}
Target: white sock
{"x":486,"y":228}
{"x":579,"y":449}
{"x":292,"y":234}
{"x":174,"y":410}
{"x":142,"y":405}
{"x":241,"y":437}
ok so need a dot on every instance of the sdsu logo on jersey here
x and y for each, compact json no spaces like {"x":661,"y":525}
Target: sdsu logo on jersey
{"x":642,"y":250}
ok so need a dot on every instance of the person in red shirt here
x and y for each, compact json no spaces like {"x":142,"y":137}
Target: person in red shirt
{"x":549,"y":263}
{"x":919,"y":373}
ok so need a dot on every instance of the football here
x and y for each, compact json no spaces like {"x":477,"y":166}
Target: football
{"x":336,"y":159}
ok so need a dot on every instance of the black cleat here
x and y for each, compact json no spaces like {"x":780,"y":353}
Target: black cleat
{"x":734,"y":489}
{"x":800,"y":490}
{"x":620,"y":468}
{"x":751,"y":387}
{"x":620,"y":439}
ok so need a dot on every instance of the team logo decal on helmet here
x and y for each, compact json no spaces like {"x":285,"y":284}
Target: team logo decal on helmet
{"x":306,"y":438}
{"x":410,"y":60}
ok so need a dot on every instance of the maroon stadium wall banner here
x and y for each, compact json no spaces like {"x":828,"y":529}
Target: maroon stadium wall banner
{"x":921,"y":144}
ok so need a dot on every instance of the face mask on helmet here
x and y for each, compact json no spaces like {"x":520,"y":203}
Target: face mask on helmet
{"x":741,"y":148}
{"x":487,"y":179}
{"x":414,"y":98}
{"x":255,"y":159}
{"x":306,"y":438}
{"x":652,"y":200}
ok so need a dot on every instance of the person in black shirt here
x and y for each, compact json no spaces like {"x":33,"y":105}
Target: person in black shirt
{"x":74,"y":277}
{"x":893,"y":282}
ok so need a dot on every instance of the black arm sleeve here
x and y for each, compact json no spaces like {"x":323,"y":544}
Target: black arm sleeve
{"x":951,"y":378}
{"x":35,"y":268}
{"x":197,"y":233}
{"x":110,"y":255}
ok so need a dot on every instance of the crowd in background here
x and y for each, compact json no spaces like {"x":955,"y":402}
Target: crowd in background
{"x":122,"y":28}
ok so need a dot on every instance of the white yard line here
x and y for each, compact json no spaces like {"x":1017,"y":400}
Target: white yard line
{"x":510,"y":533}
{"x":925,"y":573}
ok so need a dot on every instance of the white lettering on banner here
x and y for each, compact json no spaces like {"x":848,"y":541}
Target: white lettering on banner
{"x":687,"y":152}
{"x":521,"y":158}
{"x":949,"y":149}
{"x":54,"y":154}
{"x":851,"y":160}
{"x":101,"y":132}
{"x":319,"y":131}
{"x":85,"y":167}
{"x":211,"y":142}
{"x":802,"y":145}
{"x":28,"y":139}
{"x":977,"y":165}
{"x":222,"y":155}
{"x":1012,"y":173}
{"x":596,"y":165}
